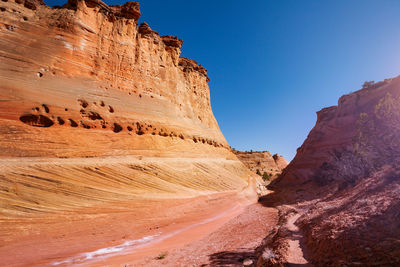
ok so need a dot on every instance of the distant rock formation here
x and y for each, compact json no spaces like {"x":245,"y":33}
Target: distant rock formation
{"x":110,"y":106}
{"x":261,"y":162}
{"x":344,"y":183}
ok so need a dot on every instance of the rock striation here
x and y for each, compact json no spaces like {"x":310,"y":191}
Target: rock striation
{"x":341,"y":191}
{"x":261,"y":162}
{"x":94,"y":108}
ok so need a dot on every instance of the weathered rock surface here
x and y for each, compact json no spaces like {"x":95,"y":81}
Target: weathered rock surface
{"x":97,"y":116}
{"x":95,"y":108}
{"x":262,"y":161}
{"x":93,"y":68}
{"x":343,"y":185}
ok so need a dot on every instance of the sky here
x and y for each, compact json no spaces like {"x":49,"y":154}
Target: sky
{"x":274,"y":63}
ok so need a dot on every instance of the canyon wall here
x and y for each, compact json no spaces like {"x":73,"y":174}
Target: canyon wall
{"x":94,"y":107}
{"x":343,"y":185}
{"x":355,"y":137}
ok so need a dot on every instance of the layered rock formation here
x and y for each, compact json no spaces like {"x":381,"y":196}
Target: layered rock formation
{"x":342,"y":188}
{"x":261,"y":162}
{"x":94,"y":107}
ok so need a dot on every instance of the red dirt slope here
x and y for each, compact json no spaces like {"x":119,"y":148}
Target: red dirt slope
{"x":344,"y":185}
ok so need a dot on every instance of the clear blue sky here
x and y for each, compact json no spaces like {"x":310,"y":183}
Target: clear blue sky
{"x":274,"y":63}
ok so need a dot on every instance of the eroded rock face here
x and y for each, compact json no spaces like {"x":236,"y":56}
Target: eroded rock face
{"x":344,"y":181}
{"x":100,"y":71}
{"x":85,"y":81}
{"x":262,"y":162}
{"x":129,"y":10}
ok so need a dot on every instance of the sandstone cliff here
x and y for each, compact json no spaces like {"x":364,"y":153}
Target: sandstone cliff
{"x":342,"y":188}
{"x":94,"y":107}
{"x":261,"y":162}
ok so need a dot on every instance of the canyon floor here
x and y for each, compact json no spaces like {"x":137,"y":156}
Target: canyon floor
{"x":210,"y":230}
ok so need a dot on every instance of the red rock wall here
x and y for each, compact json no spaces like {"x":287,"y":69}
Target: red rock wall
{"x":337,"y":140}
{"x":344,"y":183}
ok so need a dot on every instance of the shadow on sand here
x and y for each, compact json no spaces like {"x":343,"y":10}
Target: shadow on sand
{"x":231,"y":258}
{"x":236,"y":258}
